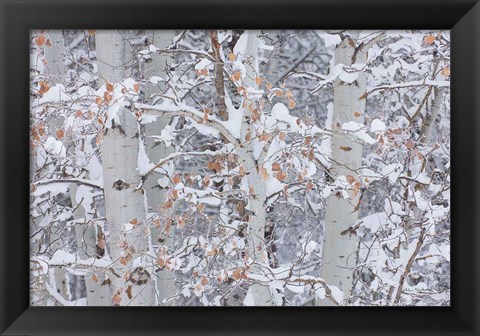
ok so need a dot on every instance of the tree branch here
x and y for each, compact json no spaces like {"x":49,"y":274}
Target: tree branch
{"x":195,"y":116}
{"x":88,"y":183}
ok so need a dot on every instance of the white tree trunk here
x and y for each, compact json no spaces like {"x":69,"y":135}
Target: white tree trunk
{"x":55,"y":71}
{"x":429,"y":123}
{"x":339,"y":251}
{"x":256,"y":233}
{"x":86,"y":238}
{"x":156,"y":152}
{"x":55,"y":56}
{"x":123,"y":204}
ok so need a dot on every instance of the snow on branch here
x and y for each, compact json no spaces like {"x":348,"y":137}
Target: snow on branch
{"x":72,"y":261}
{"x":96,"y":184}
{"x":426,"y":82}
{"x":202,"y":120}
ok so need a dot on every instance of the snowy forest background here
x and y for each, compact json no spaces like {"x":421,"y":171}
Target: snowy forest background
{"x":239,"y":168}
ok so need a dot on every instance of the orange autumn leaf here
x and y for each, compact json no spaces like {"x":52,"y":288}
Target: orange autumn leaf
{"x":409,"y":144}
{"x":264,"y":137}
{"x":357,"y":114}
{"x":41,"y":130}
{"x":311,"y":155}
{"x":291,"y":104}
{"x":215,"y":165}
{"x":134,"y":221}
{"x":429,"y":39}
{"x":109,"y":87}
{"x":44,"y":87}
{"x":281,"y":176}
{"x":95,"y":277}
{"x":446,"y":71}
{"x":59,"y":134}
{"x":275,"y":166}
{"x":282,"y":136}
{"x":125,"y":260}
{"x":203,"y":72}
{"x":238,"y":274}
{"x":35,"y":134}
{"x":116,"y":299}
{"x":136,"y":87}
{"x":269,"y":86}
{"x":264,"y":174}
{"x":258,"y":80}
{"x":168,"y":204}
{"x":241,"y":171}
{"x":168,"y":225}
{"x":40,"y":40}
{"x":206,"y":181}
{"x":175,"y":194}
{"x":180,"y":222}
{"x":309,"y":186}
{"x":232,"y":57}
{"x":350,"y":178}
{"x":107,"y":97}
{"x":397,"y":131}
{"x":161,"y":262}
{"x":279,"y":93}
{"x":236,"y":75}
{"x":91,"y":31}
{"x":129,"y":292}
{"x":176,"y":179}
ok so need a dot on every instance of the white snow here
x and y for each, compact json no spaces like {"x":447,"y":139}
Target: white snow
{"x":56,"y":94}
{"x":143,"y":162}
{"x":337,"y":294}
{"x":377,"y":125}
{"x":249,"y":298}
{"x":55,"y":147}
{"x":393,"y":171}
{"x":235,"y":116}
{"x":352,"y":126}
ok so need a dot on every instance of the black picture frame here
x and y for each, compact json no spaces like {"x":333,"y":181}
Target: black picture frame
{"x":17,"y":17}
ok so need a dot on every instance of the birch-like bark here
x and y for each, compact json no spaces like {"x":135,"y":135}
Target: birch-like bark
{"x":427,"y":127}
{"x":339,"y":251}
{"x":156,"y":152}
{"x":55,"y":70}
{"x":256,"y":233}
{"x":128,"y":248}
{"x":55,"y":56}
{"x":85,"y":234}
{"x":86,"y":238}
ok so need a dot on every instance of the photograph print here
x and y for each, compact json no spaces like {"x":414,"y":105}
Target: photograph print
{"x":239,"y":168}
